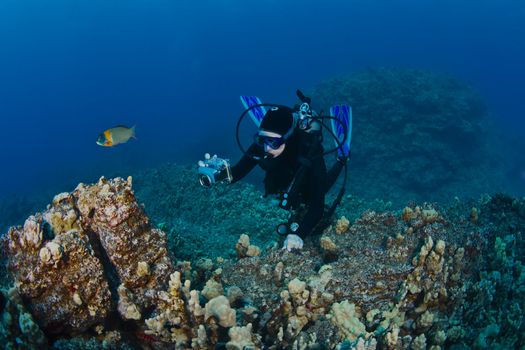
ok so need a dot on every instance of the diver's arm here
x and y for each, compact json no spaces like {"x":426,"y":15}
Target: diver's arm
{"x":243,"y":166}
{"x":315,"y":205}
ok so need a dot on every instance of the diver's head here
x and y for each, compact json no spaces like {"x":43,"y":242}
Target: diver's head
{"x":272,"y":142}
{"x":276,"y":128}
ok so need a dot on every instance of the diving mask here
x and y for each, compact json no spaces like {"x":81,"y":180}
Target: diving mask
{"x":270,"y":141}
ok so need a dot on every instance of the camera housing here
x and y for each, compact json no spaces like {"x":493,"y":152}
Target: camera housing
{"x":207,"y":177}
{"x":213,"y":170}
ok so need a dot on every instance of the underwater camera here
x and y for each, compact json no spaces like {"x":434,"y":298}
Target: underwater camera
{"x":213,"y":170}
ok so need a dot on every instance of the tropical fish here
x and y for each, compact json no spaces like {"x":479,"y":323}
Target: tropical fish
{"x":115,"y":136}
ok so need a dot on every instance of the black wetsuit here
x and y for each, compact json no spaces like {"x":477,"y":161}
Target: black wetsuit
{"x":303,"y":153}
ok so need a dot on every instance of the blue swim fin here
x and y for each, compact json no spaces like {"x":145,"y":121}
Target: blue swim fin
{"x":256,"y":113}
{"x":343,"y":114}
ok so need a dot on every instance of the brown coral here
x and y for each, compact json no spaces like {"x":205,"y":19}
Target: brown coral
{"x":63,"y":278}
{"x":342,"y":225}
{"x":245,"y":249}
{"x":57,"y":276}
{"x":110,"y":210}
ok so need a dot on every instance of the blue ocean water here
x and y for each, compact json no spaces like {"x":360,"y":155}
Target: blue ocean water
{"x":175,"y":69}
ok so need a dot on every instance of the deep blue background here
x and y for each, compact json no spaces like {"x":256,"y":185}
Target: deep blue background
{"x":70,"y":69}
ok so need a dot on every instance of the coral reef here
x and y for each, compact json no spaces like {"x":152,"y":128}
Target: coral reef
{"x":427,"y":276}
{"x":418,"y":135}
{"x":61,"y":278}
{"x":62,"y":260}
{"x":199,"y":220}
{"x":135,"y":249}
{"x":494,"y":316}
{"x":205,"y":270}
{"x":344,"y":316}
{"x":241,"y":338}
{"x":399,"y":280}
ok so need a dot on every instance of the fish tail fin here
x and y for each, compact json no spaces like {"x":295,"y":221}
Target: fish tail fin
{"x":133,"y":132}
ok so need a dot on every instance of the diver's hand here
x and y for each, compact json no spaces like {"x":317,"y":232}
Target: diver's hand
{"x":292,"y":242}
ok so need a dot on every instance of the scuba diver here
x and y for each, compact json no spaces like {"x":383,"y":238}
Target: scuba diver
{"x":288,"y":147}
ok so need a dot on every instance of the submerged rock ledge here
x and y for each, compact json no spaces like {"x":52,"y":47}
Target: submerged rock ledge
{"x":91,"y":271}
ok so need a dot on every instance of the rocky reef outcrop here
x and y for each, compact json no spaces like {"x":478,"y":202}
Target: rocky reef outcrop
{"x":407,"y":279}
{"x":92,"y":272}
{"x":418,"y":135}
{"x":134,"y":248}
{"x":67,"y":260}
{"x":61,"y":278}
{"x":15,"y":208}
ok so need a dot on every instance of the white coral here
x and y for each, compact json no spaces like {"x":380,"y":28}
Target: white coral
{"x":328,"y":245}
{"x":429,"y":215}
{"x":420,"y":342}
{"x":342,"y":225}
{"x":45,"y":255}
{"x":219,"y":307}
{"x":240,"y":338}
{"x":56,"y":251}
{"x":296,"y":286}
{"x":127,"y":309}
{"x":143,"y":269}
{"x":194,"y":306}
{"x":345,"y":317}
{"x":32,"y":233}
{"x":245,"y":249}
{"x":212,"y":289}
{"x":51,"y":254}
{"x":77,"y":299}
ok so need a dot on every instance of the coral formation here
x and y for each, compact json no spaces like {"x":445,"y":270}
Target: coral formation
{"x":424,"y":277}
{"x":174,"y":321}
{"x":328,"y":245}
{"x":342,"y":225}
{"x":92,"y":271}
{"x":54,"y":274}
{"x":219,"y":307}
{"x":417,"y":135}
{"x":493,"y":318}
{"x":135,"y":249}
{"x":432,"y":264}
{"x":245,"y":249}
{"x":344,"y":316}
{"x":241,"y":338}
{"x":62,"y":270}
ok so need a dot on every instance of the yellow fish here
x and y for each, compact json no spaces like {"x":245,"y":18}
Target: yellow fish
{"x":115,"y":136}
